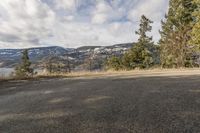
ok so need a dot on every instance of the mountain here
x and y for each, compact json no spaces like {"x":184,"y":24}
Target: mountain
{"x":13,"y":54}
{"x":76,"y":56}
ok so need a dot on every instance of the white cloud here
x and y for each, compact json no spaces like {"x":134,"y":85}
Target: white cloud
{"x":99,"y":18}
{"x":66,"y":4}
{"x":154,"y":9}
{"x":106,"y":12}
{"x":71,"y":23}
{"x":101,"y":13}
{"x":25,"y":22}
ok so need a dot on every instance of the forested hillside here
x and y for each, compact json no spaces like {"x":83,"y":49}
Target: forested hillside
{"x":81,"y":58}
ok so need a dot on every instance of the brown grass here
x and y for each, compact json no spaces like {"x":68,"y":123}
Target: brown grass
{"x":150,"y":72}
{"x":111,"y":73}
{"x":5,"y":78}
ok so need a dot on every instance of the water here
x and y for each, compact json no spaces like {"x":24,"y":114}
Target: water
{"x":6,"y":72}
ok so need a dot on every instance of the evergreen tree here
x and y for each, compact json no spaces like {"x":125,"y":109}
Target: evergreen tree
{"x":126,"y":59}
{"x":175,"y":34}
{"x":196,"y":28}
{"x":141,"y":56}
{"x":24,"y":70}
{"x":114,"y":63}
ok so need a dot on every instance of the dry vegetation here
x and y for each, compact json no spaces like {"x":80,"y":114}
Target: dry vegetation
{"x":149,"y":72}
{"x":111,"y":73}
{"x":2,"y":78}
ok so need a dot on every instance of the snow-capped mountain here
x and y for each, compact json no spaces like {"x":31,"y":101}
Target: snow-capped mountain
{"x":13,"y":54}
{"x":11,"y":57}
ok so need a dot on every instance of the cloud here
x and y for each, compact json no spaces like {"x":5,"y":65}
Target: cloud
{"x":154,"y":9}
{"x":66,"y":4}
{"x":73,"y":23}
{"x":24,"y":21}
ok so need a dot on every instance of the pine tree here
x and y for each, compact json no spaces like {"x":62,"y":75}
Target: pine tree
{"x":196,"y":29}
{"x":141,"y":56}
{"x":126,"y":59}
{"x":24,"y":70}
{"x":175,"y":34}
{"x":114,"y":63}
{"x":168,"y":53}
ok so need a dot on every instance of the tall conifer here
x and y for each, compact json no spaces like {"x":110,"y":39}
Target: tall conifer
{"x":176,"y":34}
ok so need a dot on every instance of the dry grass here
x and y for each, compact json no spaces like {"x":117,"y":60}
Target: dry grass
{"x":149,"y":72}
{"x":5,"y":78}
{"x":111,"y":73}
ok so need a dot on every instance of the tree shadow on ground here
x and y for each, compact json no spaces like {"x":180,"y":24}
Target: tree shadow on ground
{"x":109,"y":105}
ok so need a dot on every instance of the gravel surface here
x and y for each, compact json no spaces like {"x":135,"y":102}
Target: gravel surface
{"x":153,"y":104}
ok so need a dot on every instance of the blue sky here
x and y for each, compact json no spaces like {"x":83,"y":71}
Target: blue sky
{"x":74,"y":23}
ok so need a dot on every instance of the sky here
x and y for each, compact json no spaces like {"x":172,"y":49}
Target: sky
{"x":74,"y":23}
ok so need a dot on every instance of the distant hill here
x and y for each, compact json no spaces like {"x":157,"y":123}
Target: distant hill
{"x":87,"y":47}
{"x":39,"y":55}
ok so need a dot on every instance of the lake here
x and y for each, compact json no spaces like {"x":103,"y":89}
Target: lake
{"x":6,"y":72}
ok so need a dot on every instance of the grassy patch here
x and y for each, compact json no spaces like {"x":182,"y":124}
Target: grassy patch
{"x":183,"y":71}
{"x":148,"y":72}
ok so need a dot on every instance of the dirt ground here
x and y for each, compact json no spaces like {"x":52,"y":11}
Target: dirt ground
{"x":135,"y":102}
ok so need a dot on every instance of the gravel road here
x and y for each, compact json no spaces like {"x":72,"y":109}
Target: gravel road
{"x":152,"y":104}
